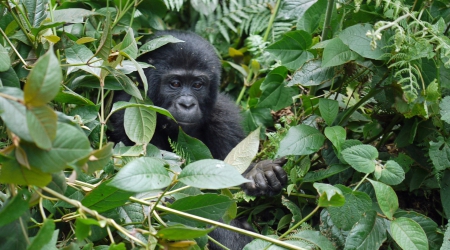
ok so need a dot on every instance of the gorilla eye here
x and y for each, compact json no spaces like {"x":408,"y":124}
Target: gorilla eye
{"x":175,"y":84}
{"x":197,"y":85}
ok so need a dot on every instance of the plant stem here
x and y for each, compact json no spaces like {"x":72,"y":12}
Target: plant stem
{"x":271,"y":20}
{"x":299,"y":223}
{"x":326,"y":24}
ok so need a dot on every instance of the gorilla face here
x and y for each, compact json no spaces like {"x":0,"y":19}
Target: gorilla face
{"x":185,"y":94}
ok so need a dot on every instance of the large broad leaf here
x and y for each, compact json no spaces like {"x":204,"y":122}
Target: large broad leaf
{"x":275,"y":94}
{"x":314,"y":237}
{"x":310,"y":19}
{"x":408,"y":234}
{"x":123,"y":105}
{"x":312,"y":74}
{"x":368,"y":233}
{"x":43,"y":122}
{"x":139,"y":123}
{"x":440,"y":153}
{"x":386,"y":197}
{"x":337,"y":53}
{"x":242,"y":155}
{"x":329,"y":110}
{"x":301,"y":140}
{"x":43,"y":82}
{"x":210,"y":206}
{"x":36,"y":10}
{"x":13,"y":173}
{"x":72,"y":15}
{"x":355,"y":37}
{"x":361,"y":157}
{"x":128,"y":45}
{"x":356,"y":204}
{"x":141,"y":175}
{"x":5,"y":61}
{"x":105,"y":197}
{"x":291,"y":49}
{"x":80,"y":54}
{"x":211,"y":174}
{"x":69,"y":145}
{"x":44,"y":236}
{"x":9,"y":78}
{"x":13,"y":115}
{"x":336,"y":135}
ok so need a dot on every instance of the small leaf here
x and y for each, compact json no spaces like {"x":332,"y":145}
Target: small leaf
{"x":80,"y":54}
{"x":141,"y":175}
{"x":123,"y":105}
{"x":355,"y":37}
{"x":43,"y":82}
{"x":337,"y":53}
{"x":44,"y":236}
{"x":211,"y":174}
{"x":192,"y":148}
{"x":329,"y":110}
{"x":13,"y":173}
{"x":336,"y":135}
{"x":157,"y":43}
{"x":128,"y":45}
{"x":72,"y":15}
{"x":275,"y":94}
{"x":43,"y":122}
{"x":329,"y":196}
{"x":13,"y":115}
{"x":391,"y":173}
{"x":5,"y":61}
{"x":301,"y":140}
{"x":408,"y":234}
{"x":182,"y":232}
{"x":9,"y":78}
{"x":83,"y":227}
{"x":314,"y":237}
{"x":444,"y":107}
{"x":105,"y":197}
{"x":99,"y":158}
{"x":386,"y":197}
{"x":13,"y":208}
{"x":361,"y":157}
{"x":85,"y":40}
{"x":242,"y":155}
{"x":139,"y":123}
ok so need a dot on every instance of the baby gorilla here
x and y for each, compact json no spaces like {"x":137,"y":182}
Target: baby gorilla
{"x":185,"y":81}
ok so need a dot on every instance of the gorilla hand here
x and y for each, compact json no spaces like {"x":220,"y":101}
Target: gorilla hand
{"x":268,"y":178}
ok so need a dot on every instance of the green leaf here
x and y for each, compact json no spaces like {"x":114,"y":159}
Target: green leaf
{"x":315,"y":238}
{"x":80,"y":54}
{"x":211,"y":174}
{"x":69,"y":96}
{"x":72,"y":15}
{"x":123,"y":105}
{"x":13,"y":116}
{"x":386,"y":197}
{"x":356,"y":205}
{"x":99,"y":158}
{"x":355,"y":37}
{"x":336,"y":135}
{"x":9,"y":78}
{"x":312,"y":74}
{"x":337,"y":53}
{"x":129,"y":45}
{"x":310,"y":20}
{"x":445,"y":192}
{"x":275,"y":94}
{"x":314,"y":176}
{"x":182,"y":232}
{"x":105,"y":197}
{"x":408,"y":234}
{"x":242,"y":155}
{"x":361,"y":157}
{"x":301,"y":140}
{"x":105,"y":45}
{"x":446,"y":244}
{"x":291,"y":49}
{"x":210,"y":206}
{"x":440,"y":154}
{"x":256,"y":117}
{"x":43,"y":82}
{"x":36,"y":11}
{"x":157,"y":43}
{"x":329,"y":196}
{"x":328,"y":110}
{"x":139,"y":123}
{"x":14,"y":208}
{"x":5,"y":61}
{"x":444,"y":107}
{"x":192,"y":148}
{"x":69,"y":145}
{"x":391,"y":173}
{"x":43,"y":122}
{"x":368,"y":233}
{"x":83,"y":227}
{"x":13,"y":173}
{"x":141,"y":175}
{"x":44,"y":236}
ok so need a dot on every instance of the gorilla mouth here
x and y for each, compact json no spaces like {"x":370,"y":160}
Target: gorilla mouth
{"x":186,"y":123}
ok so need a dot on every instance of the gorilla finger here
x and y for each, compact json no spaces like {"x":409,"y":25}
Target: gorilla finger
{"x":280,"y":161}
{"x":261,"y":183}
{"x":281,"y":174}
{"x":273,"y":181}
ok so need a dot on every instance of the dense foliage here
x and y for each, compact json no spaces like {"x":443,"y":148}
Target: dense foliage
{"x":353,"y":93}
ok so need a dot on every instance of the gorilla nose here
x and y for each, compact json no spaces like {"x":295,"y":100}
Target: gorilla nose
{"x":186,"y":102}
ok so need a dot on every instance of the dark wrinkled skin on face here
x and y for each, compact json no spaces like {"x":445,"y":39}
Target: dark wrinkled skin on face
{"x":185,"y":80}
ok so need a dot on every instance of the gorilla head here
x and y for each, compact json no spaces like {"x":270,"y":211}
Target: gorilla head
{"x":184,"y":80}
